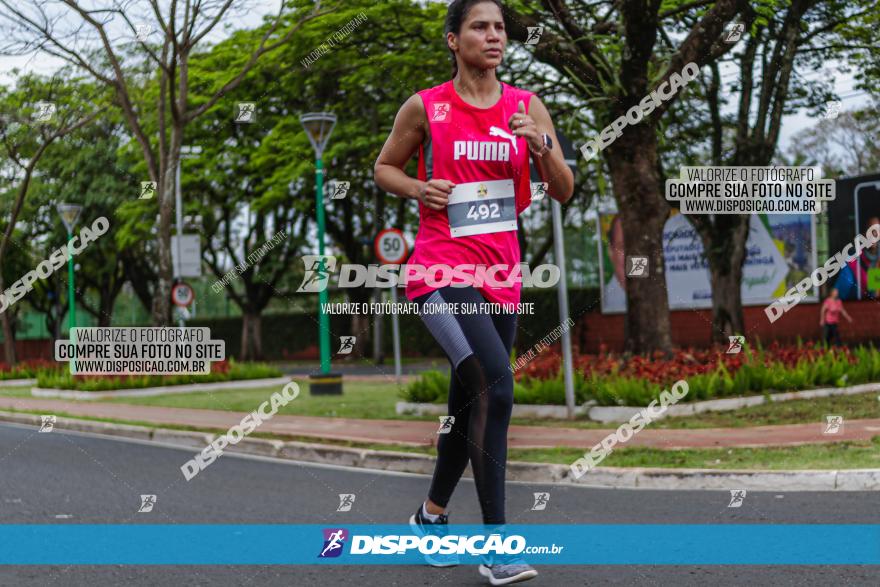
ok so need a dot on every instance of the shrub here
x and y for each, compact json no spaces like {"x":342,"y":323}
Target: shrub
{"x":220,"y":371}
{"x":431,"y":387}
{"x":611,"y":380}
{"x":531,"y":390}
{"x":28,"y":369}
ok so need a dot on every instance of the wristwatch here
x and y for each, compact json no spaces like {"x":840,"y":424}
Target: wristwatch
{"x":548,"y":145}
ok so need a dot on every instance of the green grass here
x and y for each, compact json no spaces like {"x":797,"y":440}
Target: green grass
{"x":360,"y":400}
{"x":19,"y":391}
{"x":835,"y":455}
{"x":851,"y":407}
{"x":830,"y":456}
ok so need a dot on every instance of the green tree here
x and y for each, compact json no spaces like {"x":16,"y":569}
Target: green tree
{"x":36,"y":113}
{"x":157,"y":45}
{"x":846,"y":145}
{"x":255,"y":179}
{"x":615,"y":57}
{"x":86,"y":167}
{"x":782,"y":45}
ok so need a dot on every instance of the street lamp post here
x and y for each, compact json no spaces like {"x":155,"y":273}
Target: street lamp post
{"x":69,"y":214}
{"x":319,"y":126}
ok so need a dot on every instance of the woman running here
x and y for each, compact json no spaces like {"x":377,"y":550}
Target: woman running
{"x":474,"y":135}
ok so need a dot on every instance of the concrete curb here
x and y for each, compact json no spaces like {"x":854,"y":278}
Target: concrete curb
{"x":616,"y":414}
{"x":624,"y":413}
{"x":610,"y":477}
{"x":161,"y":390}
{"x":17,"y":382}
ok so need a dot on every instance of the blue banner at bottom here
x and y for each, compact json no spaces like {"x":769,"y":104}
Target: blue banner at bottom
{"x":572,"y":544}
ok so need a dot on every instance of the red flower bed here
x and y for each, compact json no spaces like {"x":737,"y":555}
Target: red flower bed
{"x":27,"y":368}
{"x":31,"y":364}
{"x":221,"y":367}
{"x":661,"y":369}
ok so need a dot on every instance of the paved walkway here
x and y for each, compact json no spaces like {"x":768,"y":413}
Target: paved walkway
{"x":423,"y":432}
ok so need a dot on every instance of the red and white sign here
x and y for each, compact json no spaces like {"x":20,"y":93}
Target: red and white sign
{"x":182,"y":295}
{"x":390,"y":247}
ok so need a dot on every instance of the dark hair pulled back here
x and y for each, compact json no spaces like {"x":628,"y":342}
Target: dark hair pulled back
{"x":455,"y":16}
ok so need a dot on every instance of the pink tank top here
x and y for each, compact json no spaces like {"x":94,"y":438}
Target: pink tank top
{"x":459,"y":148}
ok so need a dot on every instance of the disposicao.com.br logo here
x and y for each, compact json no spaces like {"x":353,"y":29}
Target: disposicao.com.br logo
{"x":401,"y":544}
{"x":319,"y":269}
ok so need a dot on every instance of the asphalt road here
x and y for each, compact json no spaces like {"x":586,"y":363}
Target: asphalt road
{"x":67,"y":478}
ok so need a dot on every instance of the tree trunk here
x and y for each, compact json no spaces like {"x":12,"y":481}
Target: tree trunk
{"x":53,"y":321}
{"x":724,"y":244}
{"x":643,"y":212}
{"x":162,"y":298}
{"x":726,"y":304}
{"x":251,"y":336}
{"x":106,"y":304}
{"x":8,"y":340}
{"x":141,"y":279}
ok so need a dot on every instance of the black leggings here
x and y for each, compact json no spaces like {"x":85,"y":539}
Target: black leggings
{"x":480,"y":397}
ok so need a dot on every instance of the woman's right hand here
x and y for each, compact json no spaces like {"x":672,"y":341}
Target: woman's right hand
{"x":435,"y":193}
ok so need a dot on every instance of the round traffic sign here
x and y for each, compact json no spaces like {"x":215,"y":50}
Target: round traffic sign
{"x":390,"y":247}
{"x":182,"y":295}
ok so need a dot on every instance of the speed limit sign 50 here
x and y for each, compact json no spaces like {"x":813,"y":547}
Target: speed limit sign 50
{"x":390,"y":247}
{"x":182,"y":295}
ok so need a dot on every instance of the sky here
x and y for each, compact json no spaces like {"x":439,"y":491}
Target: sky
{"x":45,"y":64}
{"x":843,"y":83}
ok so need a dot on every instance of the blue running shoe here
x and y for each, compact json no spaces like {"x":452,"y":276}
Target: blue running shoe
{"x":423,"y":527}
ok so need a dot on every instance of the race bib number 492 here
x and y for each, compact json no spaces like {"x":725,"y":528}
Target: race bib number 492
{"x":482,"y":207}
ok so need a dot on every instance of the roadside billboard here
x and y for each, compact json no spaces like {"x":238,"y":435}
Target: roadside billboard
{"x":780,"y":251}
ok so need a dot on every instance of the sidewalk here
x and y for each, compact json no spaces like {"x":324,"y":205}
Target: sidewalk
{"x":419,"y":433}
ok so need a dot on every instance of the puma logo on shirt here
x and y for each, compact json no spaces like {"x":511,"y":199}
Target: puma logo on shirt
{"x":486,"y":150}
{"x":494,"y":131}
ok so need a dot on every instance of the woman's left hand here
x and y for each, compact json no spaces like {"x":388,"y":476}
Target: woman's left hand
{"x":524,"y":125}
